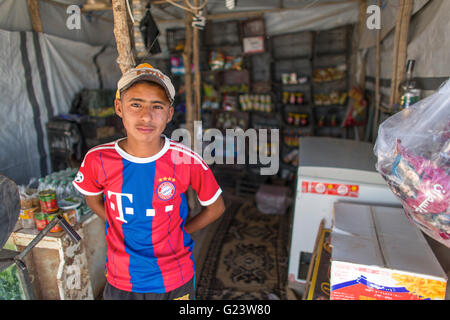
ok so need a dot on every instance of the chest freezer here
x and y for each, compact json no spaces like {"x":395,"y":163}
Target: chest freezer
{"x":330,"y":170}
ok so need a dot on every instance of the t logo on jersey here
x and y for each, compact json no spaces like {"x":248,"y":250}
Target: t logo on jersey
{"x":118,"y":196}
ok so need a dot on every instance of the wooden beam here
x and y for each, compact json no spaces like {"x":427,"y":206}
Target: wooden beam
{"x":377,"y":83}
{"x":400,"y":48}
{"x":197,"y":75}
{"x":33,"y":8}
{"x":187,"y":60}
{"x":122,"y":35}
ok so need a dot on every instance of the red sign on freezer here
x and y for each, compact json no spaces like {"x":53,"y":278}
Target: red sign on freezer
{"x":334,"y":189}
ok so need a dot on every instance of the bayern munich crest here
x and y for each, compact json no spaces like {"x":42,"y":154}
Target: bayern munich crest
{"x":166,"y":189}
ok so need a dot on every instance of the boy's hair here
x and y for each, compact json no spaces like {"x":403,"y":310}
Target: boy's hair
{"x":146,"y":72}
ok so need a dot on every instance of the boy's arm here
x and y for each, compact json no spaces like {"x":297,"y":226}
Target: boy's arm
{"x":96,"y":204}
{"x":208,"y":215}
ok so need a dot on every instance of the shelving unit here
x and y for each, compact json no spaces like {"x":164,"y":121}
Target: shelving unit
{"x":292,"y":54}
{"x":331,"y":50}
{"x":268,"y":73}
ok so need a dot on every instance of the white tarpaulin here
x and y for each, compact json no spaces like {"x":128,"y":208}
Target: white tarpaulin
{"x":40,"y":76}
{"x":428,"y":44}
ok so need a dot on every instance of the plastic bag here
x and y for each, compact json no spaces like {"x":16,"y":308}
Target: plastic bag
{"x":413,"y":151}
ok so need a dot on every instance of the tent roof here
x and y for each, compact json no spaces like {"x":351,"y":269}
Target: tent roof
{"x":282,"y":16}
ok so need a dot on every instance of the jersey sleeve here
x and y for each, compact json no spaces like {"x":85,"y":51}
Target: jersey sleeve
{"x":86,"y":179}
{"x":204,"y":183}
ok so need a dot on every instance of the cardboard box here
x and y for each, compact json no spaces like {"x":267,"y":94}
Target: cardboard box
{"x":379,"y":255}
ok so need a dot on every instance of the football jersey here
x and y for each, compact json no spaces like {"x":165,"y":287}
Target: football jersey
{"x":146,"y":206}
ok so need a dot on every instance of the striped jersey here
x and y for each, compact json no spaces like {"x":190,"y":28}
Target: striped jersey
{"x":146,"y":206}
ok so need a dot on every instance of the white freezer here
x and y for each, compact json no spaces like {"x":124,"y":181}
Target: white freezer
{"x":330,"y":170}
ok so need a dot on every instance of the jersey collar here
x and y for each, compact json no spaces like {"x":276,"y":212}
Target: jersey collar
{"x":134,"y":159}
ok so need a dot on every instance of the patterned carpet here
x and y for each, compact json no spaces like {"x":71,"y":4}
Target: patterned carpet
{"x":246,"y":257}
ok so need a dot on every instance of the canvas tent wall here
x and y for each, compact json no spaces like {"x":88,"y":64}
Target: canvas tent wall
{"x":428,"y":44}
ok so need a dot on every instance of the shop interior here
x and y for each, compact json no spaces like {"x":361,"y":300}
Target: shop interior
{"x":306,"y":85}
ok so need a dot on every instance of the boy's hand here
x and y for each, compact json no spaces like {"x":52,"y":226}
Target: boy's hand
{"x":208,"y":215}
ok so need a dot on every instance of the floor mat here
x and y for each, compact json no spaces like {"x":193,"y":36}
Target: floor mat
{"x":246,"y":256}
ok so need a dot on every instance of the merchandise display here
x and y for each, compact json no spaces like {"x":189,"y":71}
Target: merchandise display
{"x":333,"y":98}
{"x":330,"y":73}
{"x":55,"y":194}
{"x":413,"y":150}
{"x":256,"y":102}
{"x":293,"y":98}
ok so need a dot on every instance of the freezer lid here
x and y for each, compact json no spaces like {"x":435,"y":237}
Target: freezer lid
{"x":336,"y":153}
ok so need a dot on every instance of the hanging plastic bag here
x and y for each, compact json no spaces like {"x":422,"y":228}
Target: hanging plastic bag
{"x":413,"y":151}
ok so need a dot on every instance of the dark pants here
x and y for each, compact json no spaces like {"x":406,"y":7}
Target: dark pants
{"x":185,"y":292}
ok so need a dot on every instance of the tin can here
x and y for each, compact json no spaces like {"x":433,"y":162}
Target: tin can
{"x":27,"y":217}
{"x":71,"y":216}
{"x":48,"y":201}
{"x":50,"y":217}
{"x":40,"y":220}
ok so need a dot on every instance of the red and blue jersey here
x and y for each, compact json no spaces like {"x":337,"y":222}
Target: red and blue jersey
{"x":146,"y":207}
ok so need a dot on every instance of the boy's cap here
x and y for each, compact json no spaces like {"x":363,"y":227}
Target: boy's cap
{"x":145,"y":71}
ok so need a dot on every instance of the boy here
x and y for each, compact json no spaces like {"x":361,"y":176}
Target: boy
{"x":138,"y":187}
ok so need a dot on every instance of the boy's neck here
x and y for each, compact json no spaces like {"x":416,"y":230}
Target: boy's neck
{"x":142,"y":149}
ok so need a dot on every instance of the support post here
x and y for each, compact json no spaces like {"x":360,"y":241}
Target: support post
{"x":122,"y":35}
{"x":400,"y":48}
{"x":33,"y":8}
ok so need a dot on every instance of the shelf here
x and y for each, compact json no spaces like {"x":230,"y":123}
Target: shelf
{"x":329,"y":105}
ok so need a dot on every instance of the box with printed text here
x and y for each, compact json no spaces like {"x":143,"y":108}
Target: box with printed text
{"x":379,"y":255}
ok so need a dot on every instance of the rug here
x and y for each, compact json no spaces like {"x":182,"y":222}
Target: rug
{"x":246,"y":256}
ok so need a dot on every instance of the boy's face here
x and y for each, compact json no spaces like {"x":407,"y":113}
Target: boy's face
{"x":145,"y":111}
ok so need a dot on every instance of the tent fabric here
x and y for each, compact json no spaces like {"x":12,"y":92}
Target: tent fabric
{"x":388,"y":20}
{"x":40,"y":76}
{"x":312,"y":18}
{"x":428,"y":44}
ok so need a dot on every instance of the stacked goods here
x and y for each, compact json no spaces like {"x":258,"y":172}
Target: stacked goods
{"x":329,"y":73}
{"x":54,"y":195}
{"x":293,"y":98}
{"x":256,"y":102}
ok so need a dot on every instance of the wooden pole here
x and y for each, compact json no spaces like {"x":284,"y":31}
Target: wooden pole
{"x":197,"y":75}
{"x":361,"y":81}
{"x":187,"y":60}
{"x":36,"y":22}
{"x":377,"y":84}
{"x":122,"y":35}
{"x":400,"y":48}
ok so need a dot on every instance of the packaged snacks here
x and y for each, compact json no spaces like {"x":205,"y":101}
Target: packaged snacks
{"x":413,"y":151}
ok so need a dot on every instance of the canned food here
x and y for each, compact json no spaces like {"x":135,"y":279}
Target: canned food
{"x":48,"y":201}
{"x":70,"y":216}
{"x":40,"y":220}
{"x":50,"y":217}
{"x":27,"y":217}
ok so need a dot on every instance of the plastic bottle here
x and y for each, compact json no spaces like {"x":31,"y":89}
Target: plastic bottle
{"x":41,"y":185}
{"x":70,"y":190}
{"x":61,"y":190}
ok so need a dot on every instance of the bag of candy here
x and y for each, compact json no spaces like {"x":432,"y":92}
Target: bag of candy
{"x":413,"y":152}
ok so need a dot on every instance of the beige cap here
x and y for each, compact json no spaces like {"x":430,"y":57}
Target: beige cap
{"x":145,"y":71}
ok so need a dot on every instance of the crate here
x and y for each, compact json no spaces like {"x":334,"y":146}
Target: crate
{"x":300,"y":66}
{"x":175,"y":37}
{"x":260,"y":71}
{"x":331,"y":41}
{"x":219,"y":34}
{"x":292,"y":45}
{"x":249,"y":184}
